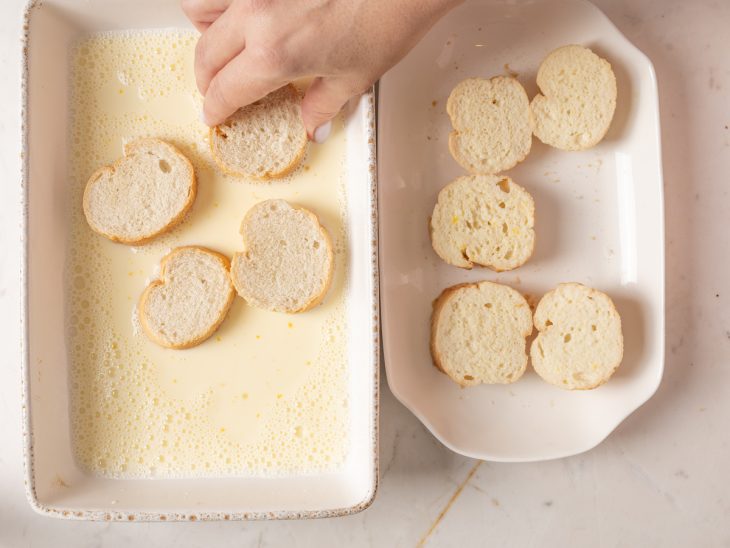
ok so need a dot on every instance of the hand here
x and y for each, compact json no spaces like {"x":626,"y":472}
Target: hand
{"x":249,"y":48}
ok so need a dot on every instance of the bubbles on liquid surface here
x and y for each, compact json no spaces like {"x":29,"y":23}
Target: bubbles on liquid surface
{"x":124,"y":423}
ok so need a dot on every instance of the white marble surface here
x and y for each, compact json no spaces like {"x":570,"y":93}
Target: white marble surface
{"x":661,"y":479}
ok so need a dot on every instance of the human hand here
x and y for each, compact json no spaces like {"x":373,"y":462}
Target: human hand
{"x":249,"y":48}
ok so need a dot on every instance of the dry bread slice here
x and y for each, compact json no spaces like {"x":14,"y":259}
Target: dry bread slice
{"x":287,"y":262}
{"x":580,"y":343}
{"x":479,"y":332}
{"x":578,"y":98}
{"x":145,"y":193}
{"x":484,"y":219}
{"x":264,"y":140}
{"x":191,"y":299}
{"x":492,"y":124}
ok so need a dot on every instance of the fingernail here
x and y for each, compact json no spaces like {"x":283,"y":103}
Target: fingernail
{"x":322,"y":132}
{"x":203,"y":119}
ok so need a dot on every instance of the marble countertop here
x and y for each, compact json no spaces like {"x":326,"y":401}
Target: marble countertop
{"x":661,"y":479}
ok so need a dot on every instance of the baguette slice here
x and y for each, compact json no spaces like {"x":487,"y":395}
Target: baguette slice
{"x":143,"y":194}
{"x":479,"y":332}
{"x":492,"y":124}
{"x":580,"y":343}
{"x":578,"y":98}
{"x":191,"y":299}
{"x":484,"y":219}
{"x":287,"y":262}
{"x":264,"y":140}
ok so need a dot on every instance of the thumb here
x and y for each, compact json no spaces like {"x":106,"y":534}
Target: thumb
{"x":322,"y":101}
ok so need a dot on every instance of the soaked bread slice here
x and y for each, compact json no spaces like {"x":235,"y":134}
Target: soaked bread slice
{"x":578,"y":98}
{"x":287,"y":262}
{"x":190,"y":300}
{"x":580,"y":343}
{"x":143,"y":194}
{"x":492,"y":124}
{"x":479,"y":332}
{"x":486,"y":220}
{"x":264,"y":140}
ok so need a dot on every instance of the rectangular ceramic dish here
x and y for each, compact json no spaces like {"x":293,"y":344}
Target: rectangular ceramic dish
{"x":55,"y":485}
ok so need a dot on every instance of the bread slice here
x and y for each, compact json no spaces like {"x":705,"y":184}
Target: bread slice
{"x":145,"y":193}
{"x":580,"y":343}
{"x":578,"y":98}
{"x":287,"y":262}
{"x":264,"y":140}
{"x":479,"y":332}
{"x":191,"y":299}
{"x":492,"y":124}
{"x":484,"y":219}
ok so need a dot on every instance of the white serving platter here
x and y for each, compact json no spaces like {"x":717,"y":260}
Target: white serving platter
{"x":600,"y":221}
{"x":55,"y":485}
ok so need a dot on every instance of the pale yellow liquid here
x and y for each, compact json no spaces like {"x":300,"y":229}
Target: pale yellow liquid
{"x":266,"y":394}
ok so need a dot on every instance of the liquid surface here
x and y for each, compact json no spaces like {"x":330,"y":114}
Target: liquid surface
{"x":266,"y":394}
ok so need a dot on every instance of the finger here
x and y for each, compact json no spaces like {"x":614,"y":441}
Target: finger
{"x":236,"y":85}
{"x":202,"y":26}
{"x":221,"y":42}
{"x":203,"y":12}
{"x":322,"y":101}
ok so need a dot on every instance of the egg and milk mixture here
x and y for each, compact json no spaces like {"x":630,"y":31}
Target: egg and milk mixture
{"x":267,"y":393}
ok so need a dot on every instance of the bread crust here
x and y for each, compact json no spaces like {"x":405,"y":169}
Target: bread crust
{"x":268,"y":175}
{"x":315,"y":299}
{"x":543,"y":329}
{"x":130,"y":149}
{"x":162,"y":281}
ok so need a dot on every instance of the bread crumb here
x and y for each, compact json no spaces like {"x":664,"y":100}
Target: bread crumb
{"x":59,"y":482}
{"x":510,"y":72}
{"x":531,"y":300}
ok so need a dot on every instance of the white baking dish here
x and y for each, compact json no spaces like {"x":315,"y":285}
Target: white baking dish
{"x":599,"y":221}
{"x":55,"y":484}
